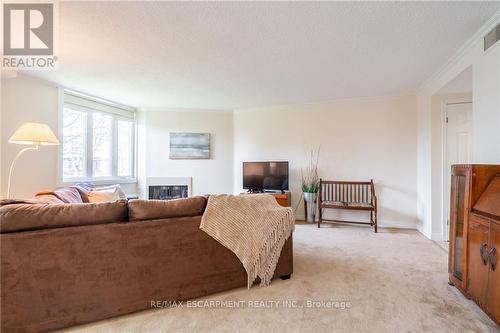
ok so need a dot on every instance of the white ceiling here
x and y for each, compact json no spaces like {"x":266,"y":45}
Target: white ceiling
{"x":239,"y":54}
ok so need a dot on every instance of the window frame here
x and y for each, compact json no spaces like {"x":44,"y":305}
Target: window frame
{"x":114,"y":178}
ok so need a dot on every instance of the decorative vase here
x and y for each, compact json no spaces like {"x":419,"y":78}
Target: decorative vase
{"x":310,"y":205}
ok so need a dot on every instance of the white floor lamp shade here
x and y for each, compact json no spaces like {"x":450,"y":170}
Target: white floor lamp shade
{"x":33,"y":134}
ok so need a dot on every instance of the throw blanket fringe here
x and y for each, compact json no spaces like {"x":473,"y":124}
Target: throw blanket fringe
{"x":253,"y":227}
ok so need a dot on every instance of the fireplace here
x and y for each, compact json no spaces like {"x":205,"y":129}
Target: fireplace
{"x":167,"y":192}
{"x":167,"y":188}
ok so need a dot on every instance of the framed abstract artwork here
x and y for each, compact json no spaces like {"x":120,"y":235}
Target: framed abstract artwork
{"x":189,"y":146}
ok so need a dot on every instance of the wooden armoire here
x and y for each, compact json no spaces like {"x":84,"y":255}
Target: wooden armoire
{"x":475,"y":235}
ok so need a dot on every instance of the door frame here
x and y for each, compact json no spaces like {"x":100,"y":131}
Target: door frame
{"x":445,"y":177}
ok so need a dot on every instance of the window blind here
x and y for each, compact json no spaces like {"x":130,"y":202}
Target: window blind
{"x":87,"y":103}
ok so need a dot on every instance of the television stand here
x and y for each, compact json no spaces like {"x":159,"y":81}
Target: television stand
{"x":284,"y":198}
{"x":271,"y":191}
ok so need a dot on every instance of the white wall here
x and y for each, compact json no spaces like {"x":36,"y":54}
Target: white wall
{"x":209,"y":176}
{"x":485,"y":118}
{"x":360,"y":139}
{"x":25,"y":99}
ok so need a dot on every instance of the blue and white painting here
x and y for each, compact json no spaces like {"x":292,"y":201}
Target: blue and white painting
{"x":189,"y":146}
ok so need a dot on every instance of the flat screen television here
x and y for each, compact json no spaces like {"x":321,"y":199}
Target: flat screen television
{"x":260,"y":176}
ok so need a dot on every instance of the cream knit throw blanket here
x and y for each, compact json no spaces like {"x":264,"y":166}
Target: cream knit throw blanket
{"x":254,"y":227}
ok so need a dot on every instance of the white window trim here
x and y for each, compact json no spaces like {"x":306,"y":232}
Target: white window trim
{"x":61,"y":181}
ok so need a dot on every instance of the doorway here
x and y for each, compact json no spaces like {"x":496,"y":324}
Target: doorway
{"x":457,"y":147}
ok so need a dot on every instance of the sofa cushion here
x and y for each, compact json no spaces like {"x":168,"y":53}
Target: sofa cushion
{"x":45,"y":198}
{"x":107,"y":195}
{"x":116,"y":187}
{"x":42,"y":199}
{"x":65,"y":194}
{"x":160,"y":209}
{"x":86,"y":190}
{"x":24,"y":217}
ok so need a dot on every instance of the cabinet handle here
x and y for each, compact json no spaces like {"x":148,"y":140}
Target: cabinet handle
{"x":491,"y":257}
{"x":482,"y":253}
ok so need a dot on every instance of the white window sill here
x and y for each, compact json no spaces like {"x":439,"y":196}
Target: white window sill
{"x":98,"y":182}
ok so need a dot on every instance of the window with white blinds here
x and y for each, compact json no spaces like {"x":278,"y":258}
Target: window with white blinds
{"x":98,"y":139}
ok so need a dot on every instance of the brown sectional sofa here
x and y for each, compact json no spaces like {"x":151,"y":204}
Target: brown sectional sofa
{"x":69,"y":264}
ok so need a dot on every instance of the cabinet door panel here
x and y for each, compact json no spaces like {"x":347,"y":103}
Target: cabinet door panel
{"x":478,"y":259}
{"x":493,"y":295}
{"x":459,"y":212}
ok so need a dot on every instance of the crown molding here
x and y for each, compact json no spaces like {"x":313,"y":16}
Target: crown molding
{"x":183,"y":110}
{"x":462,"y":51}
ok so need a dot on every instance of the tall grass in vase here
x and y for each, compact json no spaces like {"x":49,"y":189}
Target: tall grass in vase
{"x":310,"y":185}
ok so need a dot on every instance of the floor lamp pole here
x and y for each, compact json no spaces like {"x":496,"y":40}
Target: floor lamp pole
{"x":34,"y":147}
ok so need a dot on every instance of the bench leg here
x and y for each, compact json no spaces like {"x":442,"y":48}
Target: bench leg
{"x":286,"y":277}
{"x":319,"y":216}
{"x":375,"y":220}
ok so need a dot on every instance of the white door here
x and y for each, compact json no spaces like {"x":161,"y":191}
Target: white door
{"x":458,"y":148}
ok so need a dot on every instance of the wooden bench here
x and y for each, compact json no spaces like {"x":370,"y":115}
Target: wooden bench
{"x":347,"y":195}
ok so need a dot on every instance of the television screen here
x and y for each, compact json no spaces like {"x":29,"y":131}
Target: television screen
{"x":265,"y":176}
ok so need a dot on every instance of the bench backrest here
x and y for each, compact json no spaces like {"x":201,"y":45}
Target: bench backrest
{"x":346,"y":191}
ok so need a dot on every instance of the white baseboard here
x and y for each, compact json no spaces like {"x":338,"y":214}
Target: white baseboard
{"x":437,"y":236}
{"x":380,"y":224}
{"x":397,"y":226}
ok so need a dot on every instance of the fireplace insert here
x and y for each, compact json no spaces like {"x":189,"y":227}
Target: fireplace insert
{"x":168,"y":192}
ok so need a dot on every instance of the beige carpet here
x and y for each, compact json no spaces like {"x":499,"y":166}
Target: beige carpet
{"x":393,"y":281}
